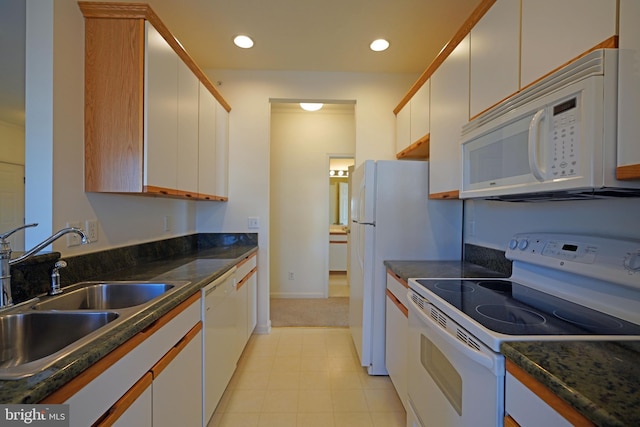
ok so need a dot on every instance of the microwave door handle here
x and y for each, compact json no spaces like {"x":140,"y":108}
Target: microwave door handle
{"x":534,"y":141}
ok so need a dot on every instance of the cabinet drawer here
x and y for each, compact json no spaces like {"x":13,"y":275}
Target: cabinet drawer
{"x":245,"y":266}
{"x":398,"y":288}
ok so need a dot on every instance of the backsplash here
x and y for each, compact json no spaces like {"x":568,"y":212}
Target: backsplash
{"x":32,"y":277}
{"x":489,"y":258}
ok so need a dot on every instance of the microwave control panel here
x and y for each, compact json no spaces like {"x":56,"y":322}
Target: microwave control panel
{"x":564,"y":153}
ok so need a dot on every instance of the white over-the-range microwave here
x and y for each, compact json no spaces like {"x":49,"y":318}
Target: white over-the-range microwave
{"x":554,"y":140}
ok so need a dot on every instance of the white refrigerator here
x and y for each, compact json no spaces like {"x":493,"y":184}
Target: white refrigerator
{"x":392,"y":218}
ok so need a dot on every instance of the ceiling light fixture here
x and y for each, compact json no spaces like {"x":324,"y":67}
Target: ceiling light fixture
{"x":379,"y":45}
{"x":243,"y":41}
{"x":311,"y":106}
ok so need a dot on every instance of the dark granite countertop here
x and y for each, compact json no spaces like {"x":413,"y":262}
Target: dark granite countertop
{"x":199,"y":269}
{"x":601,"y":380}
{"x":439,"y":269}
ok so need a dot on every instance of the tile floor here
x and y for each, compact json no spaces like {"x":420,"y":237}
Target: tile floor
{"x":306,"y":377}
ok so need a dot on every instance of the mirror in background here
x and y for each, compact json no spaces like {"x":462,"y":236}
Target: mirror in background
{"x":339,"y":191}
{"x":12,"y":117}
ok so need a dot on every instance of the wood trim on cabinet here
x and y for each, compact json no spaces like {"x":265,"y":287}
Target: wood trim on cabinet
{"x":115,"y":412}
{"x":446,"y":195}
{"x":419,"y":150}
{"x":342,"y":242}
{"x":202,"y":196}
{"x":462,"y":32}
{"x":398,"y":303}
{"x":175,"y":350}
{"x":628,"y":172}
{"x":246,"y":259}
{"x":398,"y":278}
{"x":510,"y":422}
{"x":246,"y":278}
{"x":143,"y":11}
{"x":551,"y":399}
{"x":72,"y":387}
{"x":127,"y":63}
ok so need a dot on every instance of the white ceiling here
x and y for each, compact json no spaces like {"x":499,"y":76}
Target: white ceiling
{"x":297,"y":35}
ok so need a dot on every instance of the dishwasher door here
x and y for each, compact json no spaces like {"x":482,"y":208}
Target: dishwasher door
{"x":218,"y":340}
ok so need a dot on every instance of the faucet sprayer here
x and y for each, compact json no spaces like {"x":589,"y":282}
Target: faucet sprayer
{"x":6,"y":261}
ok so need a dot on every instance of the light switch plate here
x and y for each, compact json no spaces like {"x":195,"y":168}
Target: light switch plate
{"x":91,"y":228}
{"x":253,"y":222}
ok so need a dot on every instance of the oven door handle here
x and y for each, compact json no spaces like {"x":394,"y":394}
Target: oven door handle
{"x":478,"y":356}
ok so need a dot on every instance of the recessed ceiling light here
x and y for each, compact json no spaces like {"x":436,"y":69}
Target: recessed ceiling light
{"x":243,"y":41}
{"x":379,"y":45}
{"x":311,"y":106}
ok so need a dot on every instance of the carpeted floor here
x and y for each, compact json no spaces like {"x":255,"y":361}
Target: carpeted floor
{"x":332,"y":311}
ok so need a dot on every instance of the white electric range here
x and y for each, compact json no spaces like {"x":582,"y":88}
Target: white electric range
{"x":563,"y":287}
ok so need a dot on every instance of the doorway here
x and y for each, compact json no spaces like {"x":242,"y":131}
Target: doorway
{"x":339,"y":184}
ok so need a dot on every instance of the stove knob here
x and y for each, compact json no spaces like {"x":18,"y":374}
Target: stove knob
{"x":632,"y":261}
{"x":513,"y":243}
{"x":523,"y":244}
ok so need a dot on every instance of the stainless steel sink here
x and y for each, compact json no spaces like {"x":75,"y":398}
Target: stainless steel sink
{"x":33,"y":336}
{"x":105,"y":296}
{"x":36,"y":334}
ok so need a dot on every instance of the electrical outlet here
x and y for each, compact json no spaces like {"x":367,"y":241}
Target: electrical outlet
{"x":72,"y":238}
{"x":91,"y":228}
{"x":253,"y":222}
{"x":291,"y":275}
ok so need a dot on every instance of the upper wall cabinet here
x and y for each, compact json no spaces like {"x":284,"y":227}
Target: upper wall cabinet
{"x":495,"y":56}
{"x":142,"y":109}
{"x":629,"y":91}
{"x":556,"y":32}
{"x":412,"y":126}
{"x":449,"y":112}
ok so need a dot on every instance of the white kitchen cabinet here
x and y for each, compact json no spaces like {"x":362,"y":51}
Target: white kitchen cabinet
{"x":241,"y":303}
{"x":114,"y":375}
{"x":134,"y":408}
{"x":449,"y":112}
{"x":495,"y":56}
{"x":161,"y":111}
{"x":207,"y":140}
{"x":187,"y":143}
{"x":337,"y":252}
{"x":403,"y":128}
{"x":252,"y":302}
{"x":629,"y":91}
{"x":142,"y":100}
{"x":420,"y":112}
{"x":177,"y":384}
{"x":556,"y":32}
{"x":397,"y":325}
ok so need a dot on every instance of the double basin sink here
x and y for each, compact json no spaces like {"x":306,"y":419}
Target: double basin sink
{"x":36,"y":334}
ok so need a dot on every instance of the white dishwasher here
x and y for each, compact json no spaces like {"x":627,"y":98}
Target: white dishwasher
{"x":218,"y":340}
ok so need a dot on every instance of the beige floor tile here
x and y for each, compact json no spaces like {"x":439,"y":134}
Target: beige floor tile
{"x":315,"y":401}
{"x":281,"y":401}
{"x":315,"y":380}
{"x":314,"y":363}
{"x":389,"y":419}
{"x":343,"y":364}
{"x":284,"y":381}
{"x":224,"y":401}
{"x":239,"y":420}
{"x":215,"y":420}
{"x":383,"y":400}
{"x":349,"y":401}
{"x":246,"y":401}
{"x":249,"y":380}
{"x":348,"y":380}
{"x":278,"y":420}
{"x":375,"y":381}
{"x":353,"y":419}
{"x":256,"y":364}
{"x":316,"y":419}
{"x":287,"y":364}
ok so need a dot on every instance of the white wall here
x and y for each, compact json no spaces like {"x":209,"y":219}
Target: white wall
{"x":301,"y":143}
{"x":249,"y":93}
{"x":55,"y":144}
{"x":492,"y":224}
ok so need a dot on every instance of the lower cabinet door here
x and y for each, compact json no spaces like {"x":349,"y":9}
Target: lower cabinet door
{"x":134,"y":407}
{"x":177,"y":384}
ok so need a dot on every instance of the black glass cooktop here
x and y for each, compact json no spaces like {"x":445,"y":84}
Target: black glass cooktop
{"x":509,"y":308}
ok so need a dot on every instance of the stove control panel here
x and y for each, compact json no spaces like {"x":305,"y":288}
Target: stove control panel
{"x":613,"y":260}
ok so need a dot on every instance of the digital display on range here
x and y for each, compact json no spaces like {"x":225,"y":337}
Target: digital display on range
{"x":567,"y":247}
{"x":565,"y":106}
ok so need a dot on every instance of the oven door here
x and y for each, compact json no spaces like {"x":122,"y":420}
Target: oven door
{"x":451,"y":383}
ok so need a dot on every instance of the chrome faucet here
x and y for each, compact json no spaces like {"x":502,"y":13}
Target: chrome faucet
{"x":6,"y":261}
